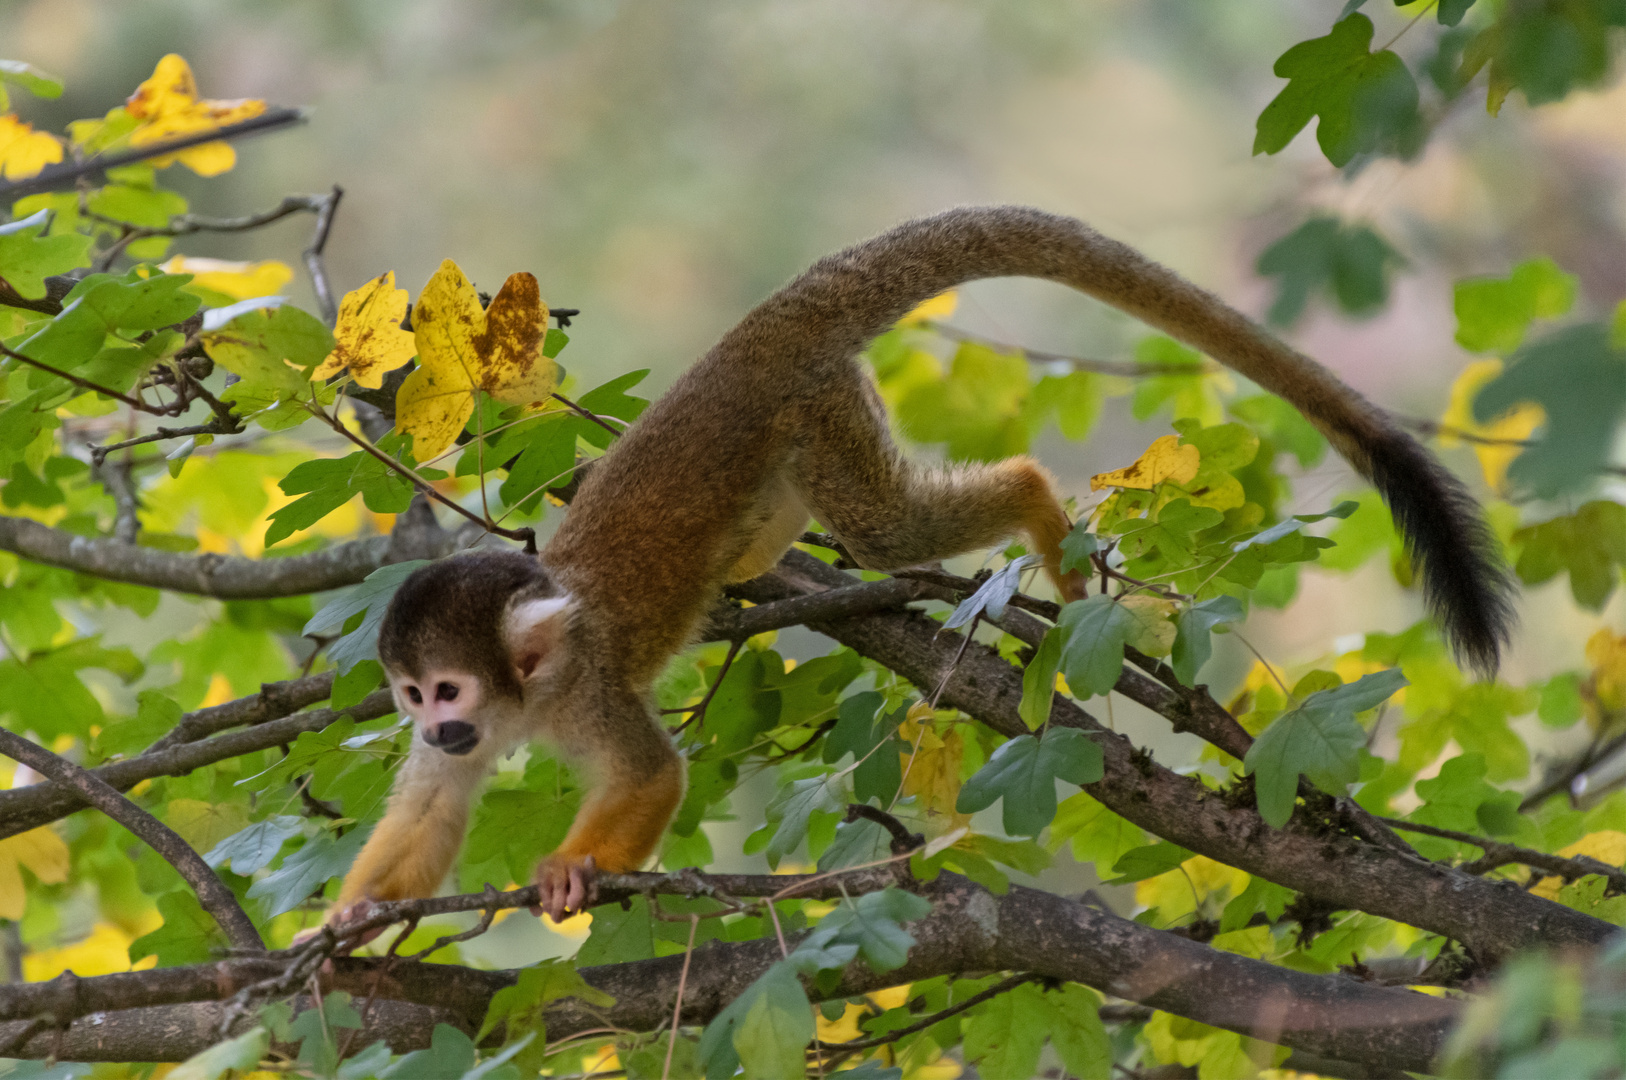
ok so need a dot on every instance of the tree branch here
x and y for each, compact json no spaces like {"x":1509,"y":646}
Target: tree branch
{"x":212,"y":893}
{"x":1498,"y":854}
{"x":969,"y":929}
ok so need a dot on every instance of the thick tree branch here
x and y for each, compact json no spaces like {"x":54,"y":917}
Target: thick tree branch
{"x":212,"y":893}
{"x":969,"y":929}
{"x":1311,"y":855}
{"x":227,"y":577}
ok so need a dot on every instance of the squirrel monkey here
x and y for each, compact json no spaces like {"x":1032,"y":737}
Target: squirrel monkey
{"x":774,"y":425}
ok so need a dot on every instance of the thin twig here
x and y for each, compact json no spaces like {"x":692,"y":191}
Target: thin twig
{"x":527,"y":535}
{"x":53,"y":177}
{"x":212,"y":893}
{"x":116,"y":478}
{"x":326,"y":207}
{"x":1499,"y":854}
{"x":1132,"y":369}
{"x":588,"y":414}
{"x":677,"y":1006}
{"x":213,"y":427}
{"x":697,"y":713}
{"x":86,"y":384}
{"x":935,"y":1018}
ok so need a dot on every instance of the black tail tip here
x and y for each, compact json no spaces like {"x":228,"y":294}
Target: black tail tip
{"x":1466,"y":584}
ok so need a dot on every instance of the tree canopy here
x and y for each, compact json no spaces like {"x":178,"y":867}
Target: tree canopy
{"x":208,"y":494}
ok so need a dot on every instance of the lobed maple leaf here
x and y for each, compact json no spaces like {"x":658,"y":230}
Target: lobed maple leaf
{"x":369,"y":338}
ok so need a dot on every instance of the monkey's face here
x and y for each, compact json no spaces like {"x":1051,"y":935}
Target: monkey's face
{"x":448,"y":706}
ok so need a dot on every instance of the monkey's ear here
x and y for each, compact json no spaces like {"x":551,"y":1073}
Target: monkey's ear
{"x":536,"y":630}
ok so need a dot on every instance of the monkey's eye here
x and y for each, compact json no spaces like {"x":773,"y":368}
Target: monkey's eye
{"x":446,"y":691}
{"x":416,"y":695}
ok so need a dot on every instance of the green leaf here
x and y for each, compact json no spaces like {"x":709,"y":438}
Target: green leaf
{"x":1079,"y":1038}
{"x":521,"y":1008}
{"x":1077,"y":547}
{"x":790,"y":811}
{"x":273,"y":353}
{"x":1319,"y":739}
{"x":305,"y":871}
{"x":611,"y":399}
{"x":978,"y":409}
{"x":1493,"y":314}
{"x":1283,"y":425}
{"x":872,"y":924}
{"x":619,"y":935}
{"x":1097,"y":834}
{"x":856,"y":843}
{"x":30,"y":78}
{"x":547,"y":456}
{"x":520,"y":825}
{"x":1170,"y":532}
{"x":1095,"y":630}
{"x":371,"y":599}
{"x":1005,"y":1035}
{"x":189,"y":934}
{"x":1039,"y":681}
{"x":1560,"y":700}
{"x":27,"y":258}
{"x":1579,"y":378}
{"x":253,"y":848}
{"x":1192,"y":646}
{"x":1259,"y":896}
{"x":1149,"y":861}
{"x":861,"y":727}
{"x":451,"y":1053}
{"x":765,"y":1029}
{"x":1191,"y":392}
{"x":1024,"y":771}
{"x":1590,"y":545}
{"x":241,"y":1054}
{"x":1351,"y":263}
{"x":1366,"y":101}
{"x":46,"y":694}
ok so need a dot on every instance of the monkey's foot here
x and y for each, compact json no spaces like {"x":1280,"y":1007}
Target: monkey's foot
{"x":565,"y":885}
{"x":352,"y":912}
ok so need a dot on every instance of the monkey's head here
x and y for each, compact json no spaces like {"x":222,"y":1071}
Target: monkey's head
{"x":468,"y":640}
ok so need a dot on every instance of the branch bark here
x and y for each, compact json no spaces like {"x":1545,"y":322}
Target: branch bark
{"x":969,"y":929}
{"x":212,"y":893}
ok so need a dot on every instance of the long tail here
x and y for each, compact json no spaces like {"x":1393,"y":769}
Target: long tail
{"x":846,"y":299}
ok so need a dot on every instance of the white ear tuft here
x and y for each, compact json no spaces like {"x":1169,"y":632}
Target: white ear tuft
{"x":535,"y":630}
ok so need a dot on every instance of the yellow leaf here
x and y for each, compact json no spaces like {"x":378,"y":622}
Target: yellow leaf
{"x":1152,"y":632}
{"x":462,"y":349}
{"x":105,"y":951}
{"x":24,"y":151}
{"x":43,"y":852}
{"x":369,"y":338}
{"x":238,"y":280}
{"x":938,"y":307}
{"x":1605,"y":691}
{"x":1164,"y":460}
{"x":1607,"y":846}
{"x":168,"y":106}
{"x":1178,"y":892}
{"x":932,"y":770}
{"x":1515,"y":424}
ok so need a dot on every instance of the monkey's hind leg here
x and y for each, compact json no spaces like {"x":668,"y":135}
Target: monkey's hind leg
{"x":891,"y":513}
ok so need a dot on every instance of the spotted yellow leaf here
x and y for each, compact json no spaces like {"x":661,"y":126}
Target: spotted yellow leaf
{"x":43,"y":852}
{"x":24,"y":151}
{"x":1516,"y":424}
{"x":369,"y":338}
{"x":168,"y":106}
{"x":462,"y":349}
{"x":238,"y":280}
{"x":932,"y":770}
{"x":1164,"y":460}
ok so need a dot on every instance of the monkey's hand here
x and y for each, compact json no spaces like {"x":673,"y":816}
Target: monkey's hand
{"x":566,"y":884}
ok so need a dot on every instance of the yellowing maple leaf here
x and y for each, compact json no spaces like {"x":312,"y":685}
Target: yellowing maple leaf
{"x":24,"y":151}
{"x":933,"y":771}
{"x":1605,"y":691}
{"x":43,"y":852}
{"x":1164,"y":460}
{"x":168,"y":106}
{"x":1517,"y":423}
{"x":369,"y":340}
{"x":238,"y":280}
{"x":462,"y":349}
